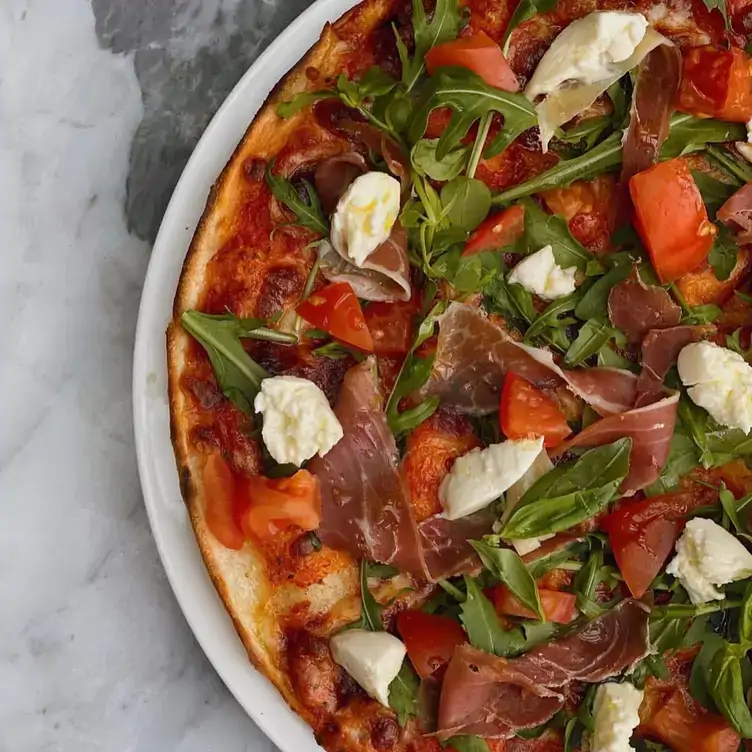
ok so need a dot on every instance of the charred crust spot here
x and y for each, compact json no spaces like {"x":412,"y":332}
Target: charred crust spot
{"x":384,"y":733}
{"x":255,"y":169}
{"x":185,"y":482}
{"x":279,"y":285}
{"x":206,"y":392}
{"x":347,"y":689}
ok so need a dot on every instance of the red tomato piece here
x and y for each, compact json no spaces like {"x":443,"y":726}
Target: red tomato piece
{"x":391,"y":326}
{"x":526,"y":412}
{"x":430,"y":639}
{"x":558,"y":606}
{"x":671,"y":218}
{"x":685,"y":730}
{"x":716,"y":83}
{"x":219,"y":492}
{"x":643,"y":534}
{"x":478,"y":53}
{"x":336,"y":309}
{"x":275,"y":504}
{"x":497,"y":231}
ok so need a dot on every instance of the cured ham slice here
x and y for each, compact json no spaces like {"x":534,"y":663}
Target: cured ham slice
{"x":473,"y":356}
{"x":366,"y":507}
{"x":660,"y":349}
{"x":650,"y":429}
{"x":334,"y":175}
{"x":636,"y":308}
{"x":496,"y":697}
{"x":737,"y":213}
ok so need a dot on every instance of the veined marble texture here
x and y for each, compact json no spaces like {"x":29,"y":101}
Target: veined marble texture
{"x":101,"y":103}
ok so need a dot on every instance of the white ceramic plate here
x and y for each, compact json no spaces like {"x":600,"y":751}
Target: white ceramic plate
{"x":167,"y":512}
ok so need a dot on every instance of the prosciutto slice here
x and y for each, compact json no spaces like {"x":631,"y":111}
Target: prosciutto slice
{"x":636,"y":308}
{"x":334,"y":175}
{"x":652,"y":105}
{"x":650,"y":429}
{"x":496,"y":697}
{"x":737,"y":213}
{"x":660,"y":349}
{"x":366,"y":507}
{"x":473,"y":355}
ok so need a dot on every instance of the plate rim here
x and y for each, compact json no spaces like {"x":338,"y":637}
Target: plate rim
{"x":168,"y":520}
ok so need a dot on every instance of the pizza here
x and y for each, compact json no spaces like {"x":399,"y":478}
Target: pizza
{"x":459,"y":378}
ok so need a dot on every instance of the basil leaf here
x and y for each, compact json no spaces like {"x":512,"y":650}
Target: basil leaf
{"x":571,"y":493}
{"x":586,"y":583}
{"x":524,"y":11}
{"x":725,"y":686}
{"x":542,"y":229}
{"x":423,"y":157}
{"x":721,"y":6}
{"x":590,"y":339}
{"x":714,"y":192}
{"x":724,"y":253}
{"x":595,"y":301}
{"x":466,"y":743}
{"x":482,"y":624}
{"x":543,"y":564}
{"x":689,"y":133}
{"x":413,"y":374}
{"x":466,"y":202}
{"x":470,"y":98}
{"x":308,"y":212}
{"x":445,"y":25}
{"x":506,"y":565}
{"x":403,"y":693}
{"x":302,"y":100}
{"x":238,"y":375}
{"x":375,"y":82}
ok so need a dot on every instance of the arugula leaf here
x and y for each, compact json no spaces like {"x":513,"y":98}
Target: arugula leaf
{"x":714,"y":192}
{"x":466,"y":202}
{"x":721,"y":6}
{"x":423,"y":156}
{"x":466,"y":743}
{"x":238,"y":375}
{"x":729,"y":504}
{"x":308,"y":212}
{"x":724,"y":253}
{"x":586,"y":583}
{"x":542,"y":229}
{"x":512,"y":301}
{"x":698,"y":685}
{"x":445,"y":25}
{"x":549,"y":324}
{"x":301,"y":100}
{"x":524,"y":11}
{"x":609,"y":358}
{"x":738,"y":169}
{"x":593,"y":335}
{"x":687,"y":134}
{"x":470,"y":98}
{"x":716,"y":444}
{"x":582,"y":137}
{"x":734,"y":342}
{"x":374,"y":83}
{"x":682,"y":458}
{"x":403,"y":693}
{"x":725,"y":686}
{"x":482,"y":624}
{"x":570,"y":493}
{"x":595,"y":301}
{"x":506,"y":565}
{"x":370,"y":608}
{"x":745,"y":615}
{"x":543,"y":564}
{"x":413,"y":374}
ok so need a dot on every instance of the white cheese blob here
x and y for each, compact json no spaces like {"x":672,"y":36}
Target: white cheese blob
{"x":708,"y":556}
{"x":719,"y":380}
{"x":538,"y":469}
{"x":373,"y":659}
{"x":540,"y":274}
{"x":298,"y":421}
{"x":482,"y":475}
{"x":616,"y":715}
{"x":365,"y":215}
{"x":587,"y":50}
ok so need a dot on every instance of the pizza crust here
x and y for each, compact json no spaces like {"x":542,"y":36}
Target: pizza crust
{"x":240,"y":577}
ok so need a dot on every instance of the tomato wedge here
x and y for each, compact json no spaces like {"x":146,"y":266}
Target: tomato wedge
{"x":336,"y":310}
{"x":683,"y":730}
{"x":497,"y":231}
{"x":558,"y":606}
{"x":671,"y":218}
{"x":478,"y":53}
{"x":391,"y":326}
{"x":219,"y":493}
{"x":643,"y":534}
{"x":526,"y":412}
{"x":430,"y":639}
{"x":716,"y":83}
{"x":274,"y":504}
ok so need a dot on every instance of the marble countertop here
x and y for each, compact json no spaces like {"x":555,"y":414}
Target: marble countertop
{"x":101,"y":103}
